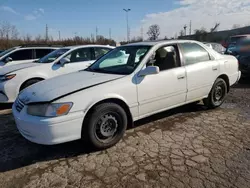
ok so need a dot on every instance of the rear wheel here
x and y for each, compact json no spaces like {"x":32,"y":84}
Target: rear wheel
{"x":217,"y":95}
{"x":29,"y":83}
{"x":105,"y":125}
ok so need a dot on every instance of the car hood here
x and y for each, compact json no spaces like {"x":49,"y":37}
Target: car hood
{"x":61,"y":86}
{"x":12,"y":68}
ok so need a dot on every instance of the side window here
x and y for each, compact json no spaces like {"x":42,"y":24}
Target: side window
{"x":82,"y":54}
{"x":100,"y":52}
{"x":167,"y":57}
{"x":42,"y":52}
{"x":194,"y":53}
{"x":21,"y":55}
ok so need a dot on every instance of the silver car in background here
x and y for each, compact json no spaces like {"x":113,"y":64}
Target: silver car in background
{"x":216,"y":46}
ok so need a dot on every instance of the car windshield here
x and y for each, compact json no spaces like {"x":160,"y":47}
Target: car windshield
{"x":236,"y":39}
{"x":122,"y":60}
{"x":53,"y":56}
{"x":6,"y":52}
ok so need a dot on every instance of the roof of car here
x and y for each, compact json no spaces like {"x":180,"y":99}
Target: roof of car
{"x":153,"y":43}
{"x":89,"y":45}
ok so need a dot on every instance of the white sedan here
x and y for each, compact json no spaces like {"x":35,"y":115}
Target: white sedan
{"x":15,"y":78}
{"x":98,"y":104}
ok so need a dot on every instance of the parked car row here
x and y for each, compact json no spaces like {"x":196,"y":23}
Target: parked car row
{"x":65,"y":60}
{"x":73,"y":97}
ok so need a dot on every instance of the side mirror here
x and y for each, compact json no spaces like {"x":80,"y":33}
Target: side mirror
{"x":8,"y":59}
{"x":64,"y":61}
{"x":149,"y":70}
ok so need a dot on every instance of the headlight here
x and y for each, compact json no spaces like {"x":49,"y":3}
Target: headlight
{"x":6,"y":77}
{"x":49,"y":110}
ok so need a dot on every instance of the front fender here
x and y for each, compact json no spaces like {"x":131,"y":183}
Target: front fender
{"x":96,"y":100}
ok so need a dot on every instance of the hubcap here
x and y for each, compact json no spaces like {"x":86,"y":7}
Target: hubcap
{"x":218,"y":93}
{"x":106,"y":127}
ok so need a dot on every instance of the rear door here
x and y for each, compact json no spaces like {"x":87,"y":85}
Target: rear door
{"x":41,"y":52}
{"x":201,"y":69}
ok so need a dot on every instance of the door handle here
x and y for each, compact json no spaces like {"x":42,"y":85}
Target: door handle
{"x":215,"y":68}
{"x":181,"y":77}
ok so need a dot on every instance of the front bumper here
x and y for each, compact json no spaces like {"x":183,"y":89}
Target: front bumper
{"x":49,"y":131}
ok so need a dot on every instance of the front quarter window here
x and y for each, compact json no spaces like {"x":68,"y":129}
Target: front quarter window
{"x":122,"y":60}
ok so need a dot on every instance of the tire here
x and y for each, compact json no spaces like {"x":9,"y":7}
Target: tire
{"x":29,"y":83}
{"x":105,"y":125}
{"x":217,"y":94}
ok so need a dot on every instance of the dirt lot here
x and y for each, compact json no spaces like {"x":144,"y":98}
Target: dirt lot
{"x":186,"y":147}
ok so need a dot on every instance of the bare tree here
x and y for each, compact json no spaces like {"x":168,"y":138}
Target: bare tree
{"x":213,"y":29}
{"x":38,"y":38}
{"x":27,"y":38}
{"x":8,"y":31}
{"x":181,"y":33}
{"x":153,"y":32}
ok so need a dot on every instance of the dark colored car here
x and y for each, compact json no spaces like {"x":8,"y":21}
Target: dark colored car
{"x":239,"y":49}
{"x":244,"y":65}
{"x":2,"y":51}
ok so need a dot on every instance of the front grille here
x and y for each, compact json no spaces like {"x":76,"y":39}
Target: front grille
{"x":19,"y":105}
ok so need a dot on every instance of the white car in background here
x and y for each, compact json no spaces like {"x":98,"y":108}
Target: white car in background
{"x":15,"y":78}
{"x":24,"y":54}
{"x":98,"y":103}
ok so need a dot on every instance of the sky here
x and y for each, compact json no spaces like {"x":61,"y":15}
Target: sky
{"x":81,"y":17}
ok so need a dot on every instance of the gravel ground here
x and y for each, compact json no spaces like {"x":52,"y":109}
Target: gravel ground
{"x":185,"y":147}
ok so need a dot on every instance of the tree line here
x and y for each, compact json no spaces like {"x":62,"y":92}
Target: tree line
{"x":10,"y":37}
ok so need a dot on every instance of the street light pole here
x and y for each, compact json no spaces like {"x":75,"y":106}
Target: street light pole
{"x":127,"y":10}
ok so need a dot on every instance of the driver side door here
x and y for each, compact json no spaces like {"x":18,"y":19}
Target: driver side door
{"x":79,"y":59}
{"x":166,"y":89}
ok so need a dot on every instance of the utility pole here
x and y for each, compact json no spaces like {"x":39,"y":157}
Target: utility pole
{"x":46,"y":33}
{"x":190,"y":28}
{"x":127,"y":11}
{"x":185,"y":29}
{"x":110,"y":33}
{"x":75,"y":37}
{"x":59,"y":35}
{"x":142,"y":33}
{"x":96,"y":33}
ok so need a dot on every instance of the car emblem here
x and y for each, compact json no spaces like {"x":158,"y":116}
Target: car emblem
{"x":33,"y":93}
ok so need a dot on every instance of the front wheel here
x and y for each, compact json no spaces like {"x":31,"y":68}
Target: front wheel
{"x":217,"y":95}
{"x":105,"y":125}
